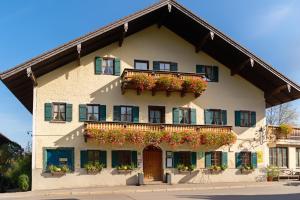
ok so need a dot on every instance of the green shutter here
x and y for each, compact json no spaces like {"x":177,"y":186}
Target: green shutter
{"x":175,"y":116}
{"x":237,"y":115}
{"x":175,"y":159}
{"x":135,"y":114}
{"x":45,"y":159}
{"x":173,"y":67}
{"x":155,"y":65}
{"x":98,"y":65}
{"x":238,"y":160}
{"x":69,"y":112}
{"x":82,"y":112}
{"x":117,"y":113}
{"x":200,"y":69}
{"x":194,"y":158}
{"x":103,"y":158}
{"x":224,"y":117}
{"x":134,"y":158}
{"x":253,"y":119}
{"x":83,"y":158}
{"x":207,"y":159}
{"x":208,"y":116}
{"x":102,"y":109}
{"x":215,"y":74}
{"x":117,"y":69}
{"x":254,"y":159}
{"x":193,"y":116}
{"x":224,"y":159}
{"x":114,"y":159}
{"x":48,"y":111}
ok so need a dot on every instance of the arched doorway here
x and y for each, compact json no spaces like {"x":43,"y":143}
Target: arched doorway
{"x":152,"y":163}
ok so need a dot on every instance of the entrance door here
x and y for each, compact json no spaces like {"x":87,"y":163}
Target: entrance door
{"x":152,"y":163}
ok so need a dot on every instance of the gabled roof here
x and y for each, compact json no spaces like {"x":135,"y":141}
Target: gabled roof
{"x":6,"y":140}
{"x":278,"y":88}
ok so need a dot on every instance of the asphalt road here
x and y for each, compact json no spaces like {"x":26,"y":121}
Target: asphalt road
{"x":286,"y":192}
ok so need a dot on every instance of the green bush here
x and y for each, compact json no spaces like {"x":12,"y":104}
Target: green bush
{"x":23,"y":182}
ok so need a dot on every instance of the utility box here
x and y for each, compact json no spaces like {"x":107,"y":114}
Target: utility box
{"x":140,"y":179}
{"x":168,"y":179}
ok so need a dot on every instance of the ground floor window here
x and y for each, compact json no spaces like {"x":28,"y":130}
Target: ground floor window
{"x":279,"y":156}
{"x":246,"y":158}
{"x":215,"y":158}
{"x":92,"y":157}
{"x":297,"y":157}
{"x":124,"y":158}
{"x":185,"y":158}
{"x":59,"y":157}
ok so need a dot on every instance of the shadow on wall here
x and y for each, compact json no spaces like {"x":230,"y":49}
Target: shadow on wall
{"x":188,"y":177}
{"x":72,"y":139}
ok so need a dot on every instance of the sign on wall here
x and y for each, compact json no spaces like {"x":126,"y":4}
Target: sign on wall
{"x":169,"y":159}
{"x":260,"y":157}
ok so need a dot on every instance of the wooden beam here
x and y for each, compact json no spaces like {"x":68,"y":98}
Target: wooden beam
{"x":123,"y":34}
{"x":31,"y":75}
{"x":275,"y":91}
{"x":240,"y":67}
{"x":203,"y":41}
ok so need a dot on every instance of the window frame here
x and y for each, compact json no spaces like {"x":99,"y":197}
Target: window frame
{"x":246,"y":157}
{"x":165,"y":62}
{"x":184,"y":157}
{"x":214,"y":113}
{"x":141,"y":61}
{"x":45,"y":156}
{"x":122,"y":155}
{"x":212,"y":71}
{"x":94,"y":155}
{"x":123,"y":106}
{"x":113,"y":65}
{"x":58,"y":113}
{"x":216,"y":158}
{"x":162,"y":112}
{"x":181,"y":109}
{"x":249,"y":118}
{"x":274,"y":158}
{"x":87,"y":112}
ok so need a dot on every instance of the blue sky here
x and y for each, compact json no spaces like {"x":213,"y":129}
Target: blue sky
{"x":268,"y":28}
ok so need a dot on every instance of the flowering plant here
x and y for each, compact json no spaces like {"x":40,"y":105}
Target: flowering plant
{"x":142,"y":82}
{"x":168,"y":83}
{"x":153,"y":138}
{"x":195,"y":85}
{"x":217,"y":168}
{"x":185,"y":168}
{"x":93,"y":167}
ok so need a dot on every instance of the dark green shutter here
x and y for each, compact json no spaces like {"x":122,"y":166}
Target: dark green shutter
{"x":193,"y":116}
{"x":83,"y":158}
{"x":48,"y":111}
{"x":194,"y":158}
{"x":175,"y":159}
{"x":175,"y":115}
{"x":253,"y":119}
{"x":207,"y":116}
{"x":224,"y":159}
{"x":117,"y":69}
{"x":238,"y":160}
{"x":215,"y":74}
{"x":173,"y":67}
{"x":200,"y":69}
{"x":98,"y":65}
{"x":82,"y":112}
{"x":102,"y":113}
{"x":117,"y":113}
{"x":155,"y":65}
{"x":135,"y":114}
{"x":103,"y":158}
{"x":254,"y":159}
{"x":237,"y":115}
{"x":114,"y":159}
{"x":69,"y":112}
{"x":134,"y":158}
{"x":207,"y":159}
{"x":224,"y":117}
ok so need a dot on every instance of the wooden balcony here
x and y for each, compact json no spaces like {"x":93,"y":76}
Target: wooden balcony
{"x":128,"y":74}
{"x":274,"y":134}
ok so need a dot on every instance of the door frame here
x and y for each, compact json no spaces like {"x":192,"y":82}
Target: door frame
{"x":161,"y":155}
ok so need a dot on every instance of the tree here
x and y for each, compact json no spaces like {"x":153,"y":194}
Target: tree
{"x":282,"y":114}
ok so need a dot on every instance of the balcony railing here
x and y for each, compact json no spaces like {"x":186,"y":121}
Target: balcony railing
{"x":128,"y":74}
{"x":274,"y":133}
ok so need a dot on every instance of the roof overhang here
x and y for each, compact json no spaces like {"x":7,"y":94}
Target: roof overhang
{"x":278,"y":89}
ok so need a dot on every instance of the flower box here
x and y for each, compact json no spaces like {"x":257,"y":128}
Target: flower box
{"x":247,"y":169}
{"x":214,"y":169}
{"x":61,"y":173}
{"x":124,"y":171}
{"x":93,"y":168}
{"x":58,"y":170}
{"x":185,"y":169}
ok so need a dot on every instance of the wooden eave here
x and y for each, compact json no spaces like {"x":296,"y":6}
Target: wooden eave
{"x":182,"y":22}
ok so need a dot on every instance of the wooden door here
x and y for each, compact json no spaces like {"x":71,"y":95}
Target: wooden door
{"x":152,"y":163}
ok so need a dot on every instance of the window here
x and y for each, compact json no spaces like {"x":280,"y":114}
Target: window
{"x":164,"y":66}
{"x":298,"y":157}
{"x":184,"y":116}
{"x":59,"y":157}
{"x":108,"y":66}
{"x":246,"y":158}
{"x":186,"y":158}
{"x":126,"y":114}
{"x":245,"y":118}
{"x":156,"y":114}
{"x":215,"y":116}
{"x":216,"y":158}
{"x":59,"y":112}
{"x":141,"y":64}
{"x":124,"y":157}
{"x":93,"y":112}
{"x":211,"y":72}
{"x":279,"y":156}
{"x":93,"y":156}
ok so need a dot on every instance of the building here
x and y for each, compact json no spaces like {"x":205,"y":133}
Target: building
{"x":160,"y":91}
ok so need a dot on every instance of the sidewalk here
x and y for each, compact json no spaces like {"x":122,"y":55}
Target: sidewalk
{"x":135,"y":189}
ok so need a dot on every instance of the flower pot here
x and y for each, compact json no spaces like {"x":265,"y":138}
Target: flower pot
{"x":270,"y":178}
{"x":61,"y":173}
{"x":124,"y":171}
{"x":246,"y":171}
{"x":215,"y":171}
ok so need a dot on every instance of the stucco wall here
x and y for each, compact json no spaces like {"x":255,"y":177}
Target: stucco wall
{"x":79,"y":85}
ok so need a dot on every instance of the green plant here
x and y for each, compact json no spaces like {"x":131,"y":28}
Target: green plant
{"x":63,"y":169}
{"x":218,"y":168}
{"x":195,"y":85}
{"x":142,"y":82}
{"x":286,"y":129}
{"x":169,"y":83}
{"x":126,"y":167}
{"x":185,"y":168}
{"x":272,"y":171}
{"x":93,"y":167}
{"x":247,"y":168}
{"x":23,"y":182}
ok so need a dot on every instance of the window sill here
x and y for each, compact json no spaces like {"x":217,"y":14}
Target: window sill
{"x":58,"y":122}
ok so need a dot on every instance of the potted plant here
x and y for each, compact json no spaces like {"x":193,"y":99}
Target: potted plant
{"x":126,"y":168}
{"x":215,"y":169}
{"x":168,"y":83}
{"x":142,"y":82}
{"x":185,"y":168}
{"x":246,"y":169}
{"x":93,"y":168}
{"x":194,"y":85}
{"x":272,"y":172}
{"x":58,"y":170}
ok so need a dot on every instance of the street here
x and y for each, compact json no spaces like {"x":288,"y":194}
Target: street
{"x":280,"y":192}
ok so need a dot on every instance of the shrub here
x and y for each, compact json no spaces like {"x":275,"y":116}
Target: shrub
{"x":286,"y":129}
{"x":272,"y":171}
{"x":23,"y":182}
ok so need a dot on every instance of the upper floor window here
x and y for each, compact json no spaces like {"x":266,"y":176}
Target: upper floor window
{"x":156,"y":114}
{"x":184,"y":116}
{"x":59,"y":112}
{"x":126,"y":114}
{"x":245,"y":118}
{"x":93,"y":112}
{"x":215,"y":116}
{"x":211,"y":72}
{"x":164,"y":66}
{"x":141,"y":64}
{"x":108,"y":66}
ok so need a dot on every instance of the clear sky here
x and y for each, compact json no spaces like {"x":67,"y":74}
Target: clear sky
{"x":268,"y":28}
